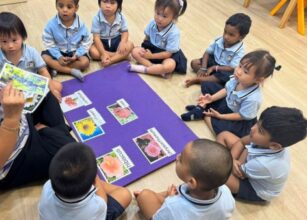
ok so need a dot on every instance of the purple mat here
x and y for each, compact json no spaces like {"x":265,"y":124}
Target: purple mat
{"x":104,"y":88}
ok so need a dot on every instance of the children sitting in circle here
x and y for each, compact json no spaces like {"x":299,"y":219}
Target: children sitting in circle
{"x":110,"y":33}
{"x":224,"y":54}
{"x":160,"y":53}
{"x":235,"y":107}
{"x":67,"y":41}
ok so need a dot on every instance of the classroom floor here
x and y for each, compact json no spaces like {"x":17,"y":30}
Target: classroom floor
{"x":202,"y":23}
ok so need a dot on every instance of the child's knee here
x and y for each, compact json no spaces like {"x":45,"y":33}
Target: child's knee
{"x":143,"y":195}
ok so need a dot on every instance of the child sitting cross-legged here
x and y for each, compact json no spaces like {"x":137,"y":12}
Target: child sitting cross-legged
{"x":261,"y":160}
{"x":204,"y":166}
{"x":74,"y":190}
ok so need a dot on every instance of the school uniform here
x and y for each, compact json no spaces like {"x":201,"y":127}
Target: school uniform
{"x":184,"y":206}
{"x":89,"y":206}
{"x":166,"y":40}
{"x":221,"y":56}
{"x":266,"y":170}
{"x":245,"y":102}
{"x":60,"y":40}
{"x":30,"y":59}
{"x":110,"y":34}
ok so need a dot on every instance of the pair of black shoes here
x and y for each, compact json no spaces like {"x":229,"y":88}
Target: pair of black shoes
{"x":195,"y":112}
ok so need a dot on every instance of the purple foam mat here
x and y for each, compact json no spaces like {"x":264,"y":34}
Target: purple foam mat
{"x":104,"y":88}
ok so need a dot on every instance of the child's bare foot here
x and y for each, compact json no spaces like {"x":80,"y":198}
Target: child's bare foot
{"x":136,"y":193}
{"x":190,"y":82}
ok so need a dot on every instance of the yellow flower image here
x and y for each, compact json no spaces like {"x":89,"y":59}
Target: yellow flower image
{"x":86,"y":127}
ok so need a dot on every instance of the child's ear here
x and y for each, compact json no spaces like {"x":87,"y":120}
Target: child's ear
{"x":260,"y":80}
{"x":275,"y":146}
{"x":192,"y":183}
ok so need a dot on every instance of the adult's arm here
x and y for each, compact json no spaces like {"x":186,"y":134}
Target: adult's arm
{"x":12,"y":102}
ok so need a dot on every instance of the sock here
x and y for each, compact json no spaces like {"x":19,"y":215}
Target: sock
{"x":137,"y":68}
{"x":78,"y":74}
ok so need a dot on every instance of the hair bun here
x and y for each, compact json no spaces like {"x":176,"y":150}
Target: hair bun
{"x":278,"y":67}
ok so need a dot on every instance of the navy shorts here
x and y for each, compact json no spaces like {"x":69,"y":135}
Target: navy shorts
{"x":111,"y":45}
{"x":69,"y":54}
{"x":222,"y":76}
{"x":114,"y":209}
{"x":240,"y":128}
{"x":247,"y":192}
{"x":179,"y":57}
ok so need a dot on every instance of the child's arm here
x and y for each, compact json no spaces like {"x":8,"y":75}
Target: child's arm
{"x":54,"y":86}
{"x":205,"y":99}
{"x":99,"y":189}
{"x":49,"y":42}
{"x":85,"y":43}
{"x":231,"y":116}
{"x":122,"y":47}
{"x":99,"y":46}
{"x":162,"y":55}
{"x":203,"y":71}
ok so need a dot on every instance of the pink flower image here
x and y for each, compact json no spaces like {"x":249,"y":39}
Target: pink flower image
{"x":153,"y":149}
{"x":112,"y":167}
{"x":122,"y":112}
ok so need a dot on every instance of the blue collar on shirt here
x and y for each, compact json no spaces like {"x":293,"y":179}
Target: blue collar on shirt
{"x":234,"y":48}
{"x":102,"y":19}
{"x":256,"y":150}
{"x":242,"y":93}
{"x":75,"y":25}
{"x":165,"y":30}
{"x":77,"y":200}
{"x":183,"y":190}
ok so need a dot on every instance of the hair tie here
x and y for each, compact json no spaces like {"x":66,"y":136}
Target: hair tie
{"x":278,"y":67}
{"x":181,"y":6}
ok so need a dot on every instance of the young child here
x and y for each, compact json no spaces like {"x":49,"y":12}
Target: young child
{"x":204,"y":166}
{"x":224,"y":54}
{"x":14,"y":51}
{"x":67,"y":41}
{"x":234,"y":108}
{"x":74,"y":190}
{"x":110,"y":32}
{"x":261,"y":160}
{"x":160,"y":52}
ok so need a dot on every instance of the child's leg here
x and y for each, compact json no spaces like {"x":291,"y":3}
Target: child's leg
{"x":200,"y":79}
{"x":139,"y":59}
{"x":233,"y":183}
{"x":94,"y":53}
{"x":55,"y":64}
{"x":120,"y":194}
{"x":208,"y":122}
{"x":56,"y":88}
{"x":116,"y":57}
{"x":167,"y":66}
{"x":81,"y":63}
{"x":227,"y":139}
{"x":149,"y":202}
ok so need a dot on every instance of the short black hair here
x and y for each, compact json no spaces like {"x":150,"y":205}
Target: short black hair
{"x":262,"y":60}
{"x":173,"y":5}
{"x":286,"y":126}
{"x":72,"y":170}
{"x":11,"y":24}
{"x":119,"y":4}
{"x":76,"y":2}
{"x":241,"y":21}
{"x":210,"y":164}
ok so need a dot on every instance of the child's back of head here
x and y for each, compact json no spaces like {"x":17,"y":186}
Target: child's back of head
{"x":210,"y":163}
{"x":73,"y":170}
{"x":286,"y":126}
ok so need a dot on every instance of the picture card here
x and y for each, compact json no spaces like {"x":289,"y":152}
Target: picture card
{"x":123,"y":115}
{"x":74,"y":101}
{"x":153,"y":146}
{"x":87,"y":129}
{"x":98,"y":119}
{"x":111,"y":166}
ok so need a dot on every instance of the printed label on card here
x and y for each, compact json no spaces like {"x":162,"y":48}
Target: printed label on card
{"x":122,"y":103}
{"x":83,"y":97}
{"x":123,"y":156}
{"x":98,"y":119}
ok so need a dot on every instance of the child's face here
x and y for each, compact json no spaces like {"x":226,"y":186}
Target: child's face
{"x":182,"y":163}
{"x":108,"y":7}
{"x":259,"y":135}
{"x":66,"y":10}
{"x":163,"y":17}
{"x":11,"y":44}
{"x":231,"y":35}
{"x":246,"y":76}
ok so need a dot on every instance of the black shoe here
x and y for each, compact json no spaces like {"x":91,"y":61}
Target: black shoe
{"x":195,"y":114}
{"x":190,"y":107}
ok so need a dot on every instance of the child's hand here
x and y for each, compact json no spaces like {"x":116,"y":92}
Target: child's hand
{"x":63,"y":61}
{"x":54,"y":91}
{"x":203,"y":100}
{"x":12,"y":101}
{"x":122,"y":47}
{"x":210,"y":70}
{"x":147,"y":54}
{"x":202,"y":73}
{"x":171,"y":190}
{"x":213,"y":113}
{"x":142,"y":52}
{"x":105,"y":59}
{"x":72,"y":59}
{"x":236,"y":169}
